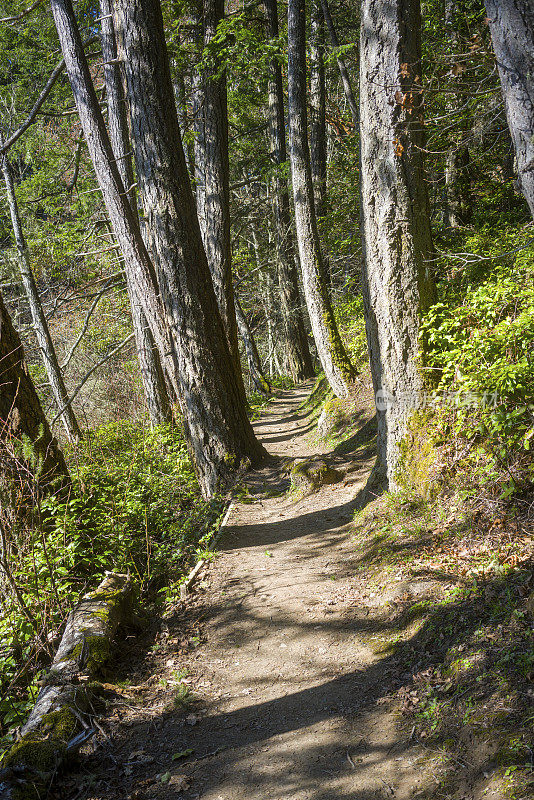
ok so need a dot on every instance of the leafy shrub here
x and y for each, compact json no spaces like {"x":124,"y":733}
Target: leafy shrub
{"x":480,"y":341}
{"x":135,"y":507}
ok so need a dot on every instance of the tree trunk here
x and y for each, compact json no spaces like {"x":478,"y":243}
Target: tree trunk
{"x":457,"y":186}
{"x":255,"y":368}
{"x":213,"y":176}
{"x":457,"y":161}
{"x":336,"y":364}
{"x":511,"y":24}
{"x":298,"y":358}
{"x":192,"y":346}
{"x":318,"y":109}
{"x":341,"y":65}
{"x":397,"y":242}
{"x":21,"y":417}
{"x":212,"y":397}
{"x":40,"y":324}
{"x":155,"y":390}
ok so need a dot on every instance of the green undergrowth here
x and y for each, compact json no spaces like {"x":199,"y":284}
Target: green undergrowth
{"x":135,"y":507}
{"x":450,"y":556}
{"x":455,"y":599}
{"x":480,"y":363}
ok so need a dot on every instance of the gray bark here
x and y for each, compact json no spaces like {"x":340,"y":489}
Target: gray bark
{"x":511,"y":24}
{"x":336,"y":364}
{"x":21,"y":416}
{"x":218,"y":434}
{"x":40,"y":325}
{"x":318,"y":109}
{"x":396,"y":234}
{"x":153,"y":379}
{"x":297,"y":352}
{"x":211,"y":395}
{"x":213,"y":176}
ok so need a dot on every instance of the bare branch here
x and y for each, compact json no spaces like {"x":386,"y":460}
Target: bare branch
{"x":30,"y":119}
{"x":88,"y":375}
{"x":22,"y":13}
{"x":86,"y":321}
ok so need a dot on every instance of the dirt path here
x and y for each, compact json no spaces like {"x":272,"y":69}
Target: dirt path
{"x":292,"y":702}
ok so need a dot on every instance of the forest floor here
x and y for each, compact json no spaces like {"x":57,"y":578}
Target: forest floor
{"x":267,"y":683}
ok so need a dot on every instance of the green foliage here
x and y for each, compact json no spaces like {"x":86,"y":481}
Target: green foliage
{"x":135,"y":507}
{"x":480,"y":340}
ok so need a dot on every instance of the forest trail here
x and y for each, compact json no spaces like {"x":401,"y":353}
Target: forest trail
{"x":290,"y":700}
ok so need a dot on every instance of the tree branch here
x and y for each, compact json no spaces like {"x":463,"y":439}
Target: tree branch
{"x":86,"y":378}
{"x":22,"y":13}
{"x":39,"y":102}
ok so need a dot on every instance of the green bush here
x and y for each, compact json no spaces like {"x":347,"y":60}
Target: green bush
{"x":135,"y":507}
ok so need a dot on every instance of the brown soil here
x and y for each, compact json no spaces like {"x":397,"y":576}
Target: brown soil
{"x":290,"y":697}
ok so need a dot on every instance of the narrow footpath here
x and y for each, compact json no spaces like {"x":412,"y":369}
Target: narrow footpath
{"x":288,"y":699}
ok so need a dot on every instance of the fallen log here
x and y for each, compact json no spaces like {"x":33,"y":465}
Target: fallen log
{"x":62,"y":717}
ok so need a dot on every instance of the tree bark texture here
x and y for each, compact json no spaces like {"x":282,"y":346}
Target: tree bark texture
{"x":396,"y":234}
{"x":39,"y":321}
{"x":62,"y":718}
{"x":298,"y":359}
{"x":211,"y":395}
{"x":318,"y":109}
{"x":211,"y":158}
{"x":22,"y":418}
{"x":219,"y":435}
{"x":153,"y":379}
{"x":511,"y":24}
{"x":336,"y":364}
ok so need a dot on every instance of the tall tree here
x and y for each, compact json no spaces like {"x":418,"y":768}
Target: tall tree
{"x":297,"y":351}
{"x":336,"y":364}
{"x":185,"y":320}
{"x":22,"y":418}
{"x":341,"y":64}
{"x":396,"y":234}
{"x":213,"y":172}
{"x":39,"y":321}
{"x":211,"y":392}
{"x":157,"y":399}
{"x":511,"y":23}
{"x":318,"y":108}
{"x":457,"y":160}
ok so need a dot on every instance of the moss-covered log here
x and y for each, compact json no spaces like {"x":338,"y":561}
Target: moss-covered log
{"x":62,"y":718}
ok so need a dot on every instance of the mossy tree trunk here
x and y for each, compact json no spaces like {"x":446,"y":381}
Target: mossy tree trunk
{"x":62,"y":717}
{"x":396,"y":234}
{"x":334,"y":359}
{"x":22,"y":420}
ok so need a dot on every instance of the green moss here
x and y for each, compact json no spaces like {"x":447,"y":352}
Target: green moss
{"x":312,"y":474}
{"x":418,"y":457}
